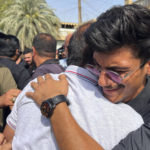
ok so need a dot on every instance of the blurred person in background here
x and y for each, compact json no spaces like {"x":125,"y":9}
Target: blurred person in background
{"x":62,"y":52}
{"x":8,"y":93}
{"x":44,"y":52}
{"x":4,"y":145}
{"x":29,"y":62}
{"x":8,"y":56}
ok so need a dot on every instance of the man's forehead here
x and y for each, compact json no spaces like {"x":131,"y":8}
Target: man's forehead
{"x":117,"y":51}
{"x":121,"y":57}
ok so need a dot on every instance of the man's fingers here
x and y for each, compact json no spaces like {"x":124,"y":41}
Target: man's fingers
{"x":48,"y":76}
{"x":15,"y":94}
{"x":2,"y":139}
{"x":40,"y":79}
{"x":34,"y":85}
{"x":62,"y":77}
{"x":12,"y":91}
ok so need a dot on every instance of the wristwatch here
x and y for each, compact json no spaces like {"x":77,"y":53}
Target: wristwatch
{"x":48,"y":106}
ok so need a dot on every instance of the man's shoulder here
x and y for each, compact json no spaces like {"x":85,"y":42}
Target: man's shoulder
{"x":3,"y":68}
{"x":7,"y":62}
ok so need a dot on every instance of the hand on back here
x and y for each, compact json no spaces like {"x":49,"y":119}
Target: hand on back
{"x":48,"y":88}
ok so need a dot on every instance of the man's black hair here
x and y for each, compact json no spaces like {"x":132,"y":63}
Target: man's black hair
{"x":120,"y":26}
{"x":27,"y":50}
{"x":13,"y":41}
{"x":78,"y":52}
{"x":5,"y":49}
{"x":45,"y":44}
{"x":9,"y":45}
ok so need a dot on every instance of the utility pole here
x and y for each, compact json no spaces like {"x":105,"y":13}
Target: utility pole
{"x":79,"y":12}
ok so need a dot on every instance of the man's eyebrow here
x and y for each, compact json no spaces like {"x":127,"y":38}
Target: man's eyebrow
{"x":117,"y":68}
{"x":113,"y":67}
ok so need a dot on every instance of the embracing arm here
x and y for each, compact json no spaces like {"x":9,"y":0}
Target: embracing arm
{"x":8,"y":133}
{"x":6,"y":139}
{"x":68,"y":133}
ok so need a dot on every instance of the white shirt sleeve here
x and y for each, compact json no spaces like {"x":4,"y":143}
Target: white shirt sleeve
{"x":32,"y":130}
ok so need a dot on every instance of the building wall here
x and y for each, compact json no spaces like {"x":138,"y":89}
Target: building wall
{"x":66,"y":29}
{"x":140,"y":2}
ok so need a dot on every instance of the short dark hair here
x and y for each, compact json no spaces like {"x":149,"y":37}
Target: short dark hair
{"x":120,"y":26}
{"x":5,"y":49}
{"x":13,"y":41}
{"x":27,"y":50}
{"x":78,"y":52}
{"x":44,"y":44}
{"x":9,"y":45}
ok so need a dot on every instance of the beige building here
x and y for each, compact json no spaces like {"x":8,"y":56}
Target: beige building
{"x":65,"y":29}
{"x":141,"y":2}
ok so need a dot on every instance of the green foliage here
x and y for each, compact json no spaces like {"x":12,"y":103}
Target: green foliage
{"x":26,"y":18}
{"x":4,"y":5}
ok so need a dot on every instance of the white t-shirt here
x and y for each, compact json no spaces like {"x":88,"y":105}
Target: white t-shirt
{"x":106,"y":122}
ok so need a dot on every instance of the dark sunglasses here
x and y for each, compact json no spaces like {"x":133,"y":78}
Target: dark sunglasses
{"x":114,"y":76}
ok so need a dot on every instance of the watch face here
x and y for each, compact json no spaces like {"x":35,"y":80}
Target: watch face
{"x":49,"y":105}
{"x":46,"y":109}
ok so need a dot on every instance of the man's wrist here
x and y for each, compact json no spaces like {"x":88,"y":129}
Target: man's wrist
{"x":48,"y":106}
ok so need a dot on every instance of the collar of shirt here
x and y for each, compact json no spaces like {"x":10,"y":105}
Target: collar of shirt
{"x":50,"y":61}
{"x":82,"y":73}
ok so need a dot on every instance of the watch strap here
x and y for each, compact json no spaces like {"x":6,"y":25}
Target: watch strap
{"x":48,"y":106}
{"x":58,"y":99}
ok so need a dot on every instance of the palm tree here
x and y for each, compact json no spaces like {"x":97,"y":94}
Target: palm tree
{"x":5,"y":5}
{"x":26,"y":18}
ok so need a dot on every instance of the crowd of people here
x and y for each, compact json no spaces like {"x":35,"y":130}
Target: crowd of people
{"x":17,"y":68}
{"x":97,"y":98}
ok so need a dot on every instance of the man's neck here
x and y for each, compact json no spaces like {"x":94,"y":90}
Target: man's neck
{"x":41,"y":60}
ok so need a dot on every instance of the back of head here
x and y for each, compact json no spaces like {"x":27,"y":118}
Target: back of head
{"x":120,"y":26}
{"x":10,"y":46}
{"x":45,"y":44}
{"x":5,"y":49}
{"x":68,"y":37}
{"x":77,"y":55}
{"x":13,"y":41}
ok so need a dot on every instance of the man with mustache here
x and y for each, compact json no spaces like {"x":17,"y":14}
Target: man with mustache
{"x":121,"y":44}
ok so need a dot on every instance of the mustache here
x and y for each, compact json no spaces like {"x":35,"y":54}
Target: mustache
{"x":110,"y":87}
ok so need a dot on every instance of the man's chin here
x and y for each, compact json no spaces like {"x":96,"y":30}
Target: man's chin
{"x":113,"y":99}
{"x":114,"y":96}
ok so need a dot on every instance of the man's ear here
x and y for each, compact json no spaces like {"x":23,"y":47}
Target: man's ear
{"x":17,"y":52}
{"x":148,"y":68}
{"x":34,"y":51}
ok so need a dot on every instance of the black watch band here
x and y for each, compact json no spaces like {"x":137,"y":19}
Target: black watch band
{"x":48,"y":106}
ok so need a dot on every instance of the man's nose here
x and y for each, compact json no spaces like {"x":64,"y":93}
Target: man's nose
{"x":103,"y":79}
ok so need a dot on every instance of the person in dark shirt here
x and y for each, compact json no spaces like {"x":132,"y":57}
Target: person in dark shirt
{"x":9,"y":53}
{"x":44,"y":52}
{"x":28,"y":60}
{"x":9,"y":48}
